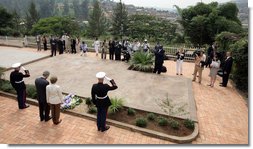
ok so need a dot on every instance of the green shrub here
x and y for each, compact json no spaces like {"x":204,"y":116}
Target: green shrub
{"x":6,"y":87}
{"x":162,"y":121}
{"x":173,"y":124}
{"x":1,"y":72}
{"x":88,"y":102}
{"x":31,"y":91}
{"x":142,"y":61}
{"x":117,"y":105}
{"x":151,"y":116}
{"x":131,"y":112}
{"x":92,"y":110}
{"x":189,"y":124}
{"x":141,"y":122}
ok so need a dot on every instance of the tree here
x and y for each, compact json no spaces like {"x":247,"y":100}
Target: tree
{"x":66,"y":8}
{"x":150,"y":27}
{"x":84,"y":10}
{"x":97,"y":21}
{"x":76,"y":7}
{"x":203,"y":22}
{"x":56,"y":26}
{"x":47,"y":8}
{"x":119,"y":20}
{"x":32,"y":17}
{"x":6,"y":22}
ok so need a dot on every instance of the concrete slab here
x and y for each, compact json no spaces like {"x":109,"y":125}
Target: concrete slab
{"x":10,"y":55}
{"x":139,"y":90}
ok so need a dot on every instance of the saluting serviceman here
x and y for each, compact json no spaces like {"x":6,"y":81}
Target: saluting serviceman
{"x":16,"y":79}
{"x":101,"y":100}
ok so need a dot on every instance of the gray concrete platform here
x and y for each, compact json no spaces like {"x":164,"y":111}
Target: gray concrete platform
{"x":139,"y":90}
{"x":8,"y":55}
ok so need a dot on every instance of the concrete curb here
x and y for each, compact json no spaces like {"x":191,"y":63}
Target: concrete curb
{"x":151,"y":133}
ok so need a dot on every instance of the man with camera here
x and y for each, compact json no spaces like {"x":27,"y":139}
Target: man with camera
{"x":17,"y":82}
{"x":199,"y":65}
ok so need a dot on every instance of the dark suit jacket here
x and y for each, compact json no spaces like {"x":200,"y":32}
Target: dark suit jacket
{"x":228,"y":65}
{"x":41,"y":84}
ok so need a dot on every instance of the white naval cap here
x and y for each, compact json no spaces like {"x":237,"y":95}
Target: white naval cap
{"x":16,"y":65}
{"x":100,"y":75}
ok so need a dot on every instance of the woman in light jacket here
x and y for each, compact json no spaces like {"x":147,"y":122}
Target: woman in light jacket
{"x":54,"y":98}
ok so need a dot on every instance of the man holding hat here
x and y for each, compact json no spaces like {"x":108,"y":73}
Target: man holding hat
{"x":16,"y":79}
{"x":101,"y":100}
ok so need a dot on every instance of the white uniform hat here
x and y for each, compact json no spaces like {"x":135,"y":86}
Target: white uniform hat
{"x":100,"y":75}
{"x":16,"y":65}
{"x":145,"y":40}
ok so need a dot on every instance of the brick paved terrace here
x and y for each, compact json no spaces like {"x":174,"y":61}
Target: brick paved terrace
{"x":222,"y":115}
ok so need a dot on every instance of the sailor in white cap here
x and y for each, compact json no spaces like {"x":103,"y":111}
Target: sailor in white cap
{"x":16,"y":79}
{"x":101,"y":100}
{"x":145,"y":46}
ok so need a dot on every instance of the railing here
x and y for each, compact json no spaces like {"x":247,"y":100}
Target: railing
{"x":31,"y":42}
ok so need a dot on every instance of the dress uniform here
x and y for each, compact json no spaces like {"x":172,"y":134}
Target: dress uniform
{"x":101,"y":100}
{"x":16,"y":79}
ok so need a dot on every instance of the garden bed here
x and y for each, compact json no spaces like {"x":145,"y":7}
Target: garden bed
{"x":169,"y":128}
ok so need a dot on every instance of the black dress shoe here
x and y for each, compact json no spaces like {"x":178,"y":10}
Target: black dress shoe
{"x":222,"y":85}
{"x":49,"y":118}
{"x":58,"y":122}
{"x":26,"y":106}
{"x":99,"y":129}
{"x":106,"y":128}
{"x":41,"y":119}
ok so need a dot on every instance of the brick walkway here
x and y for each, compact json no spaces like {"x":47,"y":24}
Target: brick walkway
{"x":222,"y":115}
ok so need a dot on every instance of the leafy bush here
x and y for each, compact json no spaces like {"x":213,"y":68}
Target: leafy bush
{"x":1,"y":72}
{"x":240,"y":66}
{"x":88,"y":102}
{"x":31,"y":91}
{"x":6,"y":87}
{"x":117,"y":105}
{"x":131,"y":112}
{"x":151,"y":116}
{"x":92,"y":110}
{"x":189,"y":124}
{"x":142,"y":61}
{"x":141,"y":122}
{"x":162,"y":121}
{"x":173,"y":124}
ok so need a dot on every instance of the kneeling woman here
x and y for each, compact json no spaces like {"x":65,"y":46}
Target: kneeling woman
{"x":54,"y":98}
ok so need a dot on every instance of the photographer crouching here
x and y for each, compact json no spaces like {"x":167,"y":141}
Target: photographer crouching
{"x":199,"y":65}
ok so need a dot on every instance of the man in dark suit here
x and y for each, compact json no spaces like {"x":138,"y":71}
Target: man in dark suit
{"x":44,"y":108}
{"x":159,"y":59}
{"x":226,"y":70}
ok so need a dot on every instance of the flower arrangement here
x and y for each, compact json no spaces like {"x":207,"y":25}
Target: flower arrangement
{"x":70,"y":102}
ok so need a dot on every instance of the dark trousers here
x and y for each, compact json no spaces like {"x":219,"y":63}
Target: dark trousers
{"x":44,"y":110}
{"x":21,"y":96}
{"x":55,"y":112}
{"x":45,"y":46}
{"x":73,"y":49}
{"x":53,"y":51}
{"x":158,"y":68}
{"x":111,"y":52}
{"x":225,"y":79}
{"x":101,"y":117}
{"x":117,"y":56}
{"x":103,"y":54}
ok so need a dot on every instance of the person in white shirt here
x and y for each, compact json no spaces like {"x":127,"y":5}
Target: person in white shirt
{"x":214,"y":67}
{"x":96,"y":45}
{"x":54,"y":99}
{"x":145,"y":46}
{"x":83,"y":48}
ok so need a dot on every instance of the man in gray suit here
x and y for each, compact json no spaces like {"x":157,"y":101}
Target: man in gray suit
{"x":44,"y":108}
